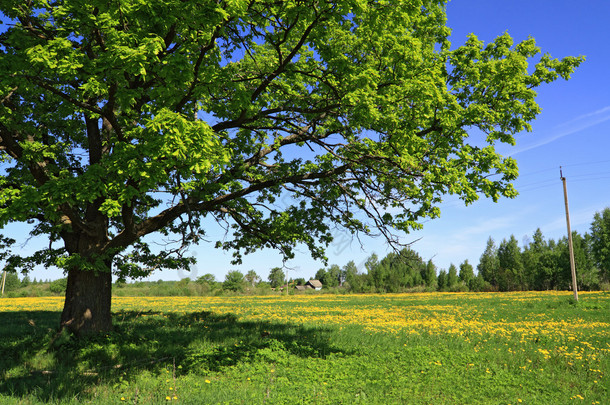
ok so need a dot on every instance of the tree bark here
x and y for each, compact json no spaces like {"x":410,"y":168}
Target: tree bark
{"x":87,"y":309}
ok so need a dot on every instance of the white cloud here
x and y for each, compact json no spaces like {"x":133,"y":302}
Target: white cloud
{"x":573,"y":126}
{"x":456,"y":245}
{"x":579,"y":220}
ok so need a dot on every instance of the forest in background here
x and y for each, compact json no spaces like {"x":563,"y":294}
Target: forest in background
{"x":540,"y":264}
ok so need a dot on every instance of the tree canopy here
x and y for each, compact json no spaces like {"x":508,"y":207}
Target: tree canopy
{"x":276,"y":119}
{"x":277,"y":278}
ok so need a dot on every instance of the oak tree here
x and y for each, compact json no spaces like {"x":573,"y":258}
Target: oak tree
{"x":278,"y":119}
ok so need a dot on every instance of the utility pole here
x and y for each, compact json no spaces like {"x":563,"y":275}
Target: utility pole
{"x":570,"y":246}
{"x":3,"y":281}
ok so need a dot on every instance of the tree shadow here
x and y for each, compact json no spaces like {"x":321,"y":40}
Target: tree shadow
{"x":37,"y":361}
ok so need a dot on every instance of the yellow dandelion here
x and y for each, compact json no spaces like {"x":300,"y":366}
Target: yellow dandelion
{"x":207,"y":381}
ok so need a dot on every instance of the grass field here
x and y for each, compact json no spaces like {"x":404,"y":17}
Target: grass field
{"x":430,"y":348}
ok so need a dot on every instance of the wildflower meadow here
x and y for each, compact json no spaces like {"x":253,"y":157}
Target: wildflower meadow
{"x":427,"y":348}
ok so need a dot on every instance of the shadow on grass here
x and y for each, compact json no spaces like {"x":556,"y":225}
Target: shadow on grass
{"x":36,"y":362}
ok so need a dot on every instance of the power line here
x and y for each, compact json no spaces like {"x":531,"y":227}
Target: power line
{"x":537,"y":183}
{"x":537,"y":172}
{"x":523,"y":190}
{"x":589,"y":174}
{"x":554,"y":168}
{"x":587,"y":163}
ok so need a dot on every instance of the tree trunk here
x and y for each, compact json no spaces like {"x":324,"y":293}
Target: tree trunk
{"x":88,"y":300}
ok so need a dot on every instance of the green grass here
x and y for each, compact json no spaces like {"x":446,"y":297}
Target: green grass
{"x":535,"y":348}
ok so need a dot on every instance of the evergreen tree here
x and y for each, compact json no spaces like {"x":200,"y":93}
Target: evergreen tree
{"x":510,"y":276}
{"x":350,"y":272}
{"x":452,"y":276}
{"x":378,"y":273}
{"x":466,"y":274}
{"x":368,"y":281}
{"x":587,"y":275}
{"x":479,"y":284}
{"x":399,"y":271}
{"x":540,"y":263}
{"x":332,"y":278}
{"x":26,"y":281}
{"x":600,"y":242}
{"x":429,"y":275}
{"x":488,"y":263}
{"x":442,"y":280}
{"x":551,"y":260}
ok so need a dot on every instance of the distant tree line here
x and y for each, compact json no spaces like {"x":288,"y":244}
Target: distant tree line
{"x":16,"y":287}
{"x":545,"y":264}
{"x":541,"y":264}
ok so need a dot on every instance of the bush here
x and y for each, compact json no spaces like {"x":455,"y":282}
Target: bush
{"x":58,"y":286}
{"x":459,"y":287}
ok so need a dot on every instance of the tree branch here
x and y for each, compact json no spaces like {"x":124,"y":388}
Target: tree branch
{"x":283,"y":64}
{"x":152,"y":224}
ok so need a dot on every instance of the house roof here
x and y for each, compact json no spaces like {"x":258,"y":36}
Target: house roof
{"x":315,"y":283}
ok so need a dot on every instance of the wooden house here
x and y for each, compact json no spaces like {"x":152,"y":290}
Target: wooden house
{"x":315,"y":284}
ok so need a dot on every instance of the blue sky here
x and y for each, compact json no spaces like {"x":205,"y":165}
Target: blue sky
{"x":572,"y":131}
